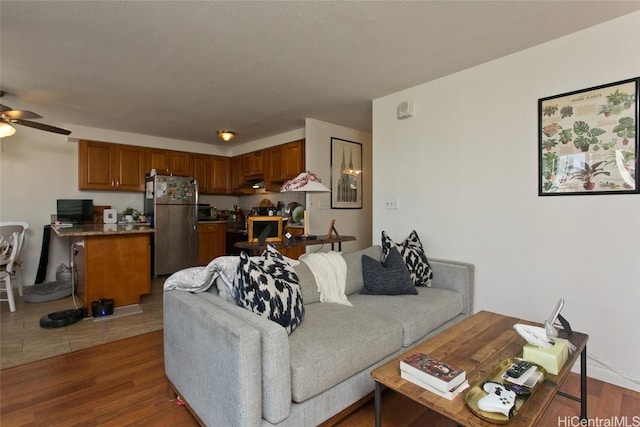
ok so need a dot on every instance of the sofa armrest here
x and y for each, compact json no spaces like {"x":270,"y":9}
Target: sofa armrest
{"x":456,"y":276}
{"x":210,"y":358}
{"x":274,"y":354}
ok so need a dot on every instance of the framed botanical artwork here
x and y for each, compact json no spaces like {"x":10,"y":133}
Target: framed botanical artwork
{"x":346,"y":174}
{"x":588,"y":141}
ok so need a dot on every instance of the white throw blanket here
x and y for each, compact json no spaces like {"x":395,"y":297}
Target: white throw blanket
{"x":330,"y":271}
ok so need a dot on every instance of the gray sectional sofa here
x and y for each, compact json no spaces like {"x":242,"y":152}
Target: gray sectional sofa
{"x":235,"y":368}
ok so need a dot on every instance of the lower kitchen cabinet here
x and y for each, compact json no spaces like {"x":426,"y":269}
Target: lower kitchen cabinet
{"x":211,"y":241}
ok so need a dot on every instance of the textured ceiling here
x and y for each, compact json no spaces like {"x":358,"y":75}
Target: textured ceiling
{"x":182,"y":69}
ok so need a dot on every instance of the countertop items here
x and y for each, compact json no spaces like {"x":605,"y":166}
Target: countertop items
{"x":102,"y":229}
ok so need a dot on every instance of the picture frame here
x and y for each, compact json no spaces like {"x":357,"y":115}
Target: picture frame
{"x":588,"y":141}
{"x":264,"y":229}
{"x":346,"y":174}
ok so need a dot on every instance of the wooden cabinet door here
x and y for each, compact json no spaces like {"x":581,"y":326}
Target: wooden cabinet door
{"x":200,"y":171}
{"x":292,"y":159}
{"x":219,"y":168}
{"x":179,"y":163}
{"x":159,"y":160}
{"x":252,"y":163}
{"x":129,"y":167}
{"x":286,"y":161}
{"x":211,"y":242}
{"x":236,"y":174}
{"x":95,"y":165}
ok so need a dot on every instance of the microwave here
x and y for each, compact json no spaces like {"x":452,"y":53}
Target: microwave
{"x":205,"y":213}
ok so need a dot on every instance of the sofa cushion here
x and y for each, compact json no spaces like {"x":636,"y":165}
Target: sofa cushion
{"x":390,"y":277}
{"x":414,"y":256}
{"x":308,"y":284}
{"x":418,"y":314}
{"x":336,"y":342}
{"x":355,"y":281}
{"x":270,"y":288}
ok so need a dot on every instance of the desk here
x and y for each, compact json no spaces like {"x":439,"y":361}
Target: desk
{"x":116,"y":261}
{"x":286,"y":244}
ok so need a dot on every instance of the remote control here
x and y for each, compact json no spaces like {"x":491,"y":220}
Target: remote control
{"x":517,"y":369}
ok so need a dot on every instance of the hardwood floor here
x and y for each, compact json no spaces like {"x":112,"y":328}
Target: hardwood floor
{"x":122,"y":383}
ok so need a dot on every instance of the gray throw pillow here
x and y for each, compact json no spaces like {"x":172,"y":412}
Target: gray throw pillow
{"x":388,"y":278}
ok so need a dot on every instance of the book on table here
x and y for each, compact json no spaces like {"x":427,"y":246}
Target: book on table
{"x":438,"y":374}
{"x":449,"y":394}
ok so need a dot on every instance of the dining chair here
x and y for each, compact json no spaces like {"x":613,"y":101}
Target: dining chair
{"x":10,"y":247}
{"x":7,"y":228}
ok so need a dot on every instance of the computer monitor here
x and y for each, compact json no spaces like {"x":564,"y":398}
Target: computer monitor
{"x":74,"y":211}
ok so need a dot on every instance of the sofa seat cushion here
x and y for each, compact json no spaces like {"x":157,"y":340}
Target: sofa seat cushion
{"x":335,"y":342}
{"x":418,"y":314}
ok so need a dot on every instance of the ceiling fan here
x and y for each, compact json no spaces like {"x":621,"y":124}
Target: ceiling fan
{"x":11,"y":116}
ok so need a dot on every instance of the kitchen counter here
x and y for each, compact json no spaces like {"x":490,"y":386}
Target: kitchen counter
{"x":113,"y":261}
{"x":102,"y":229}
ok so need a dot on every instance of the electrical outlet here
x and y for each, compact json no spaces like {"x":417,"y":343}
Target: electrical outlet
{"x":392,"y":203}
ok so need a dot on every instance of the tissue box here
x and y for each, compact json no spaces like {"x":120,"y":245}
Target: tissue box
{"x":552,"y":359}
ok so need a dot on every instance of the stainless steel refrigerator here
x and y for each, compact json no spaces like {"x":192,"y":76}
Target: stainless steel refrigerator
{"x":171,"y":203}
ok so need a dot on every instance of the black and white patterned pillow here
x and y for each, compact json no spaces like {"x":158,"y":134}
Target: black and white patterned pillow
{"x":414,"y":257}
{"x":270,"y":287}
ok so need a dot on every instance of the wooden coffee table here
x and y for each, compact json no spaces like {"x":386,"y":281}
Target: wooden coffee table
{"x":477,"y":345}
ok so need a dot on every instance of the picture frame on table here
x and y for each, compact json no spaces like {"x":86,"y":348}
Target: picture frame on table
{"x":588,"y":141}
{"x":346,"y":174}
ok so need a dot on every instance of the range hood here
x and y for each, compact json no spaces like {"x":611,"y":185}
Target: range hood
{"x":253,"y":184}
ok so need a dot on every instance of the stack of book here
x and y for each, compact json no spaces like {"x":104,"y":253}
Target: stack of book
{"x":434,"y":375}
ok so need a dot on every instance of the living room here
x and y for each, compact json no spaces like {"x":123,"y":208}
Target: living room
{"x":464,"y":171}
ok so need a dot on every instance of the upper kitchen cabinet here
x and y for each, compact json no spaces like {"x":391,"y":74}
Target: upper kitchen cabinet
{"x":212,"y":173}
{"x":253,"y":164}
{"x":105,"y":166}
{"x":219,"y":179}
{"x":169,"y":162}
{"x":286,"y":161}
{"x":201,"y":171}
{"x":237,"y":177}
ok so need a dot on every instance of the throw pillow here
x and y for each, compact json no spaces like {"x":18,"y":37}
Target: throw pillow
{"x":270,"y":287}
{"x":414,"y":257}
{"x":388,"y":278}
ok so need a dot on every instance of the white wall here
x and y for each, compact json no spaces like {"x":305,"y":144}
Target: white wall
{"x":352,"y":222}
{"x":465,"y":170}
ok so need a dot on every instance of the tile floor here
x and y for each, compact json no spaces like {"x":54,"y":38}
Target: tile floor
{"x":22,"y":340}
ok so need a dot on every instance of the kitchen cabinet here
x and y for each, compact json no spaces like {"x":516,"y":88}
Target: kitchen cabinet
{"x":253,"y":164}
{"x":211,"y":241}
{"x":106,"y":166}
{"x":201,"y":171}
{"x":212,"y":173}
{"x":285,"y":161}
{"x":237,"y":176}
{"x":219,"y":180}
{"x":169,"y":162}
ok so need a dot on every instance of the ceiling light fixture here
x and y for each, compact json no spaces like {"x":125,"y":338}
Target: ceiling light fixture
{"x":226,"y":135}
{"x":6,"y":130}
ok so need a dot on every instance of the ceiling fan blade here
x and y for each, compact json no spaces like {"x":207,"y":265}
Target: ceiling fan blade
{"x":5,"y":108}
{"x":42,"y":126}
{"x":17,"y":114}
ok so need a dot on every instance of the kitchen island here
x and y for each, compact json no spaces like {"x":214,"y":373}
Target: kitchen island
{"x":114,"y":263}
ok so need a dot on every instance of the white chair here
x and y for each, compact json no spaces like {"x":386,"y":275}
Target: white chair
{"x":10,"y":246}
{"x":7,"y":228}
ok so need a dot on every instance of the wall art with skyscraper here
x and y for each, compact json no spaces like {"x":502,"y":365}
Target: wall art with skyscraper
{"x":346,"y":174}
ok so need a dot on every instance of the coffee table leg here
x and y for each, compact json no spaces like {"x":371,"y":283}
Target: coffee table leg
{"x":378,"y":403}
{"x":583,"y":384}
